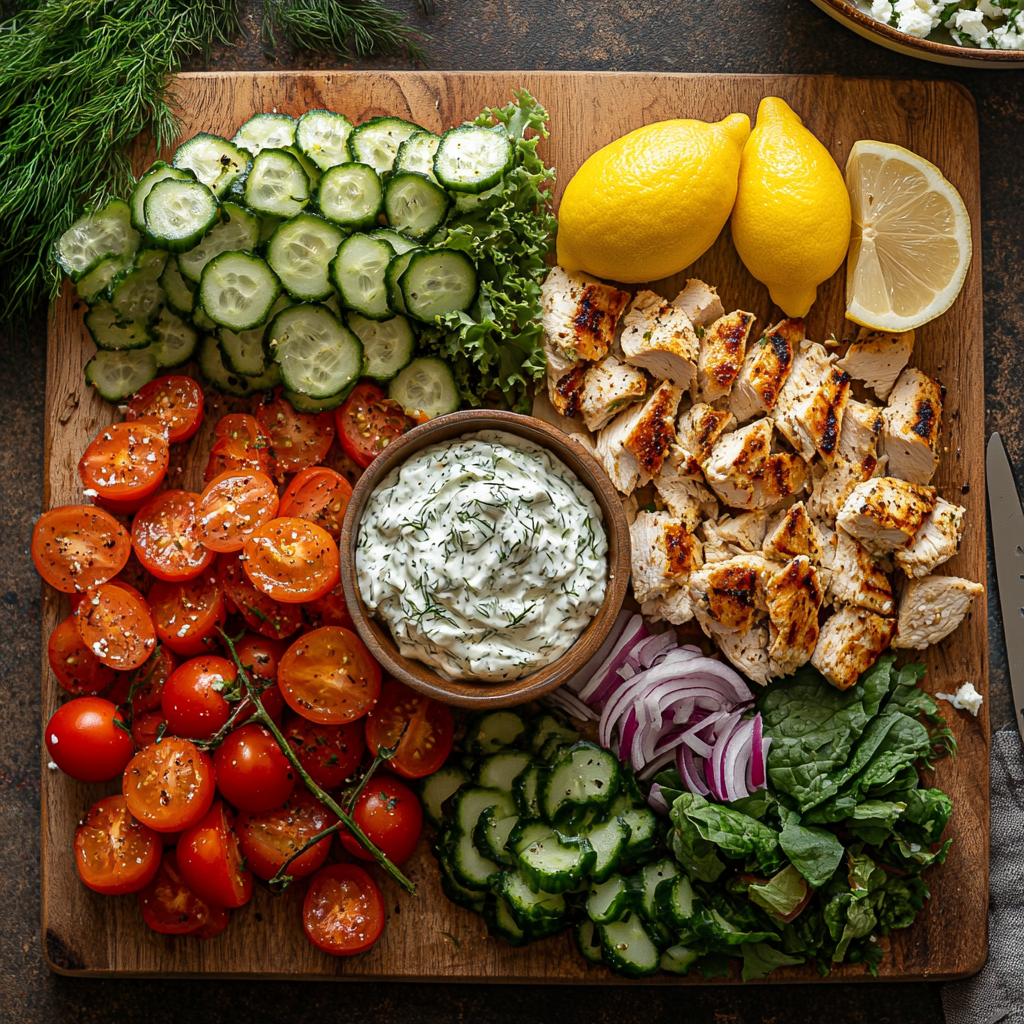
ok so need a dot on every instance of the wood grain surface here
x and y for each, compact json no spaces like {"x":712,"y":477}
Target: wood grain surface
{"x":428,"y":938}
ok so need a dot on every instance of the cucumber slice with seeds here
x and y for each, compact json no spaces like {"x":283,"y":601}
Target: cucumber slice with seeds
{"x":393,"y":275}
{"x":358,"y":274}
{"x":179,"y":213}
{"x":220,"y":377}
{"x":584,"y":777}
{"x":629,"y":948}
{"x":245,"y":352}
{"x":351,"y":195}
{"x":472,"y":159}
{"x":499,"y":771}
{"x":97,"y":282}
{"x":549,"y":861}
{"x":237,"y":231}
{"x":609,"y":900}
{"x":414,"y":205}
{"x":116,"y":375}
{"x":137,"y":295}
{"x":174,"y":339}
{"x":111,"y":331}
{"x":300,"y":252}
{"x":158,"y":172}
{"x":181,"y":292}
{"x":101,"y":235}
{"x":217,"y":163}
{"x":387,"y":344}
{"x":317,"y":354}
{"x":437,"y":282}
{"x":312,"y":171}
{"x":376,"y":142}
{"x":323,"y":136}
{"x":277,"y":185}
{"x":416,"y":154}
{"x":397,"y":242}
{"x":266,"y":131}
{"x":237,"y":290}
{"x":426,"y":387}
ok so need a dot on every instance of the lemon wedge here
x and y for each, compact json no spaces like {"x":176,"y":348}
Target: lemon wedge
{"x":911,"y":241}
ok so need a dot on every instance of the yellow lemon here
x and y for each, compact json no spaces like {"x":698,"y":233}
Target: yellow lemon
{"x":791,"y":222}
{"x":647,"y":205}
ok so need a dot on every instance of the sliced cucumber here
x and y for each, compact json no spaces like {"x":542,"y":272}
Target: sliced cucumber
{"x":494,"y":731}
{"x":609,"y":837}
{"x":266,"y":131}
{"x":397,"y":242}
{"x":470,"y":803}
{"x":245,"y":352}
{"x":387,"y":344}
{"x":416,"y":154}
{"x":491,"y":835}
{"x":651,"y":876}
{"x":351,"y":195}
{"x":426,"y":387}
{"x":499,"y":771}
{"x":222,"y":379}
{"x":96,"y":284}
{"x":529,"y":907}
{"x":609,"y":900}
{"x":237,"y":290}
{"x":238,"y":230}
{"x":158,"y":172}
{"x":268,"y":225}
{"x":323,"y":136}
{"x":437,"y":282}
{"x":318,"y":355}
{"x":415,"y":205}
{"x":525,"y":790}
{"x":471,"y":868}
{"x":472,"y":159}
{"x":393,"y":275}
{"x":358,"y":274}
{"x":174,"y":339}
{"x":501,"y":923}
{"x":679,"y":959}
{"x":437,"y":788}
{"x":312,"y":171}
{"x":551,"y":725}
{"x":111,"y":331}
{"x":303,"y":403}
{"x":180,"y":291}
{"x":201,"y":320}
{"x":673,"y":903}
{"x":584,"y":777}
{"x":300,"y":252}
{"x":277,"y":185}
{"x":137,"y":295}
{"x":588,"y":941}
{"x":628,"y":948}
{"x":179,"y":213}
{"x":217,"y":163}
{"x":643,"y":828}
{"x":116,"y":375}
{"x":98,"y":236}
{"x":457,"y":893}
{"x":549,"y":861}
{"x":376,"y":142}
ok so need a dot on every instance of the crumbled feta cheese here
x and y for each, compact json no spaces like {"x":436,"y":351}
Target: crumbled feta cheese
{"x":972,"y":23}
{"x":881,"y":10}
{"x":917,"y":17}
{"x":966,"y":698}
{"x":989,"y":8}
{"x":1005,"y":38}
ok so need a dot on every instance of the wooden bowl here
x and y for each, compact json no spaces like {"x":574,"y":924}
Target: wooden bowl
{"x":484,"y":695}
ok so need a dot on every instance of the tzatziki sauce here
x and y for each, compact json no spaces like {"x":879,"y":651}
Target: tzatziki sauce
{"x":486,"y":557}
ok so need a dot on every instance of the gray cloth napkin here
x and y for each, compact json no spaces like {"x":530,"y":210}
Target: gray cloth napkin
{"x":996,"y":993}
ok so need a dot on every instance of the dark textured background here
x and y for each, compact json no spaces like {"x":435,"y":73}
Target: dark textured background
{"x":755,"y":36}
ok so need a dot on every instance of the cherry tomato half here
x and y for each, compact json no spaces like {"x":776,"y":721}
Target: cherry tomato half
{"x":169,"y":785}
{"x":84,"y":741}
{"x":186,"y":615}
{"x":252,"y":773}
{"x":218,"y":920}
{"x":260,"y":655}
{"x":165,"y":537}
{"x":150,"y":681}
{"x":298,"y":439}
{"x":125,"y":462}
{"x":391,"y":815}
{"x":116,"y":626}
{"x":331,"y":609}
{"x":77,"y":669}
{"x":268,"y":838}
{"x":292,"y":561}
{"x":320,"y":495}
{"x":329,"y":754}
{"x":148,"y":727}
{"x":239,"y":443}
{"x":76,"y":547}
{"x":168,"y":905}
{"x":343,"y":912}
{"x":191,"y":700}
{"x":427,"y":741}
{"x":174,"y":402}
{"x":233,"y":506}
{"x":266,"y":616}
{"x":329,"y":677}
{"x":210,"y":862}
{"x":368,"y":421}
{"x":114,"y":853}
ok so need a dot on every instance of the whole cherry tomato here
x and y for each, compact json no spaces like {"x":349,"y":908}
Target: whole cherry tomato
{"x":343,"y":912}
{"x":169,"y":785}
{"x":252,"y":773}
{"x":84,"y":741}
{"x":391,"y":816}
{"x":210,"y":862}
{"x":76,"y":547}
{"x":191,"y":700}
{"x":114,"y":853}
{"x":268,"y":838}
{"x":174,"y":402}
{"x":329,"y":754}
{"x":427,"y":739}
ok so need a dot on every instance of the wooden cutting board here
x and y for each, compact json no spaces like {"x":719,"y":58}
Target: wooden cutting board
{"x":428,"y":938}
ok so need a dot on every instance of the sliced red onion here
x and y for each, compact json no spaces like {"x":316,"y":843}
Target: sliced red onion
{"x":756,"y":774}
{"x":656,"y":800}
{"x":634,"y":632}
{"x":571,"y":704}
{"x":586,"y":673}
{"x":653,"y":767}
{"x":691,"y":773}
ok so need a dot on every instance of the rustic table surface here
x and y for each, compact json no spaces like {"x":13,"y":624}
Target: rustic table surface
{"x":773,"y":36}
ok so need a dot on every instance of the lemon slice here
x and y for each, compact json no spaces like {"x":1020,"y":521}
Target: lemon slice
{"x":911,"y":242}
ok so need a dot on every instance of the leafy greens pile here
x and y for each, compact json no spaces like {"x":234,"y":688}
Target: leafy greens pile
{"x":829,"y":857}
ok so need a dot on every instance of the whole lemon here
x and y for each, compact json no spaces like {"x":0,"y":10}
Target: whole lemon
{"x":791,"y":222}
{"x":647,"y":205}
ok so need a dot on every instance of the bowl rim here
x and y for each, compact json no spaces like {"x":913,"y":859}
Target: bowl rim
{"x":482,"y":695}
{"x":848,"y":11}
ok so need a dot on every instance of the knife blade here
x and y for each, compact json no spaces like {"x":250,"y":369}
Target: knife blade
{"x":1008,"y":541}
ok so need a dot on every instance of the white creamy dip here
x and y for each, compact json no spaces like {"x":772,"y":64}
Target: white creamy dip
{"x":486,"y":557}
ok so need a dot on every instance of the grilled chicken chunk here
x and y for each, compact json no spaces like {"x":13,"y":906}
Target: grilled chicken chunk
{"x":580,"y":316}
{"x":700,"y":302}
{"x":608,"y":387}
{"x":634,"y":445}
{"x":728,"y":596}
{"x":730,"y":537}
{"x":862,"y":427}
{"x":675,"y":607}
{"x":664,"y":554}
{"x":621,"y":466}
{"x":912,"y":425}
{"x":849,"y":644}
{"x":660,"y":339}
{"x":722,"y":349}
{"x":856,"y":578}
{"x":700,"y":427}
{"x":793,"y":596}
{"x":765,"y":369}
{"x":931,"y":608}
{"x":747,"y":653}
{"x":936,"y":542}
{"x":681,"y":486}
{"x":566,"y":392}
{"x":793,"y":535}
{"x":885,"y":514}
{"x":877,"y":358}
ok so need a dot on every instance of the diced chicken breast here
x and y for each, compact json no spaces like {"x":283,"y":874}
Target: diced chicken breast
{"x":877,"y":358}
{"x":664,"y":554}
{"x":675,"y":607}
{"x":794,"y":535}
{"x":544,"y":410}
{"x":730,"y":537}
{"x":580,"y":314}
{"x":681,"y":486}
{"x":912,"y":425}
{"x":566,"y":391}
{"x":885,"y":514}
{"x":620,"y":464}
{"x":655,"y":430}
{"x":811,"y":366}
{"x":936,"y":542}
{"x":660,"y":339}
{"x":765,"y":370}
{"x":850,"y":643}
{"x":858,"y":439}
{"x":728,"y":596}
{"x":931,"y":608}
{"x":700,"y":427}
{"x":831,"y":488}
{"x":857,"y":579}
{"x":608,"y":388}
{"x":793,"y":596}
{"x":748,"y":652}
{"x":700,"y":302}
{"x":722,"y":349}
